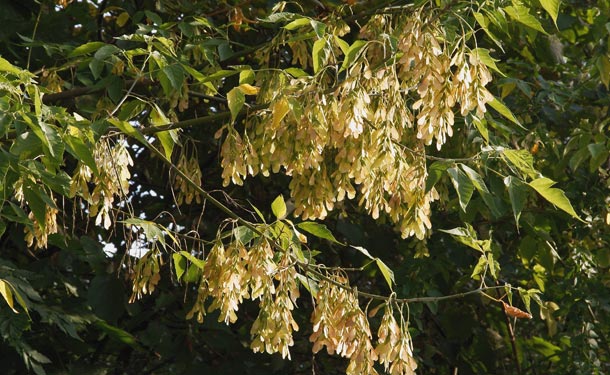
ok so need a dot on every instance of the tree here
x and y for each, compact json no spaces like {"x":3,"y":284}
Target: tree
{"x":186,"y":184}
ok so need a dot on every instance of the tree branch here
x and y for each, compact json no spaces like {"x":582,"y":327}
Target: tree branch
{"x":81,"y":91}
{"x":211,"y":119}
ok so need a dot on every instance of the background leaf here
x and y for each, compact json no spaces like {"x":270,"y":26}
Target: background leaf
{"x":556,"y":196}
{"x":463,"y":186}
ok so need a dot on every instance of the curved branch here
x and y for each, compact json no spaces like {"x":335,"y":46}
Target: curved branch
{"x":211,"y":119}
{"x":81,"y":91}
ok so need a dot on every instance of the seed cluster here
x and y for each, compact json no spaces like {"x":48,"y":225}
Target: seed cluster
{"x":367,"y":134}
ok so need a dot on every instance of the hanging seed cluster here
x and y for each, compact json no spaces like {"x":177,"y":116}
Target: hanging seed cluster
{"x":111,"y":181}
{"x":363,"y":136}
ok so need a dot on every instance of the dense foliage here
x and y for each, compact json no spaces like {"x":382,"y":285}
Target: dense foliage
{"x":325,"y":187}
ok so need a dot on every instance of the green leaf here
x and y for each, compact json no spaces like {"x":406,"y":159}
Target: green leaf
{"x":37,"y":201}
{"x":236,"y":100}
{"x":167,"y":138}
{"x":342,"y":44}
{"x":435,"y":172}
{"x":296,"y":72}
{"x":479,"y":184}
{"x":475,"y":178}
{"x":6,"y":66}
{"x":479,"y":268}
{"x":352,"y":53}
{"x":520,"y":13}
{"x":309,"y":284}
{"x":85,"y":49}
{"x":246,"y":76}
{"x":37,"y":128}
{"x":603,"y":66}
{"x":194,"y":73}
{"x":131,"y":109}
{"x":118,"y":334}
{"x":175,"y":75}
{"x":34,"y":93}
{"x":517,"y":194}
{"x":278,"y":207}
{"x":490,"y":62}
{"x":106,"y":51}
{"x":279,"y":17}
{"x":299,"y":22}
{"x":220,"y":75}
{"x":318,"y":230}
{"x":258,"y":212}
{"x":545,"y":348}
{"x":244,"y":234}
{"x":502,"y":109}
{"x":316,"y":54}
{"x":463,"y":186}
{"x":363,"y":251}
{"x":152,"y":230}
{"x":552,"y":8}
{"x":522,"y":160}
{"x":599,"y":154}
{"x":179,"y":264}
{"x":225,"y":51}
{"x":319,"y":28}
{"x":556,"y":196}
{"x":128,"y":129}
{"x":493,"y":270}
{"x":483,"y":21}
{"x":199,"y":263}
{"x":481,"y":125}
{"x":76,"y":146}
{"x":387,"y":273}
{"x":468,"y":237}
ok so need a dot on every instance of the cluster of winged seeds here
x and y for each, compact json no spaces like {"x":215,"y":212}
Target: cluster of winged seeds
{"x":363,"y":134}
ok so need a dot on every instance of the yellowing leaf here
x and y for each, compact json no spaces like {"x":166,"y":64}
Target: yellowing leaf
{"x":280,"y":109}
{"x":278,"y":207}
{"x":122,"y":19}
{"x":556,"y":196}
{"x":6,"y":292}
{"x":248,"y":89}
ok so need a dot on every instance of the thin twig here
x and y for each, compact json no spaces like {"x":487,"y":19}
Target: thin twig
{"x":513,"y":343}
